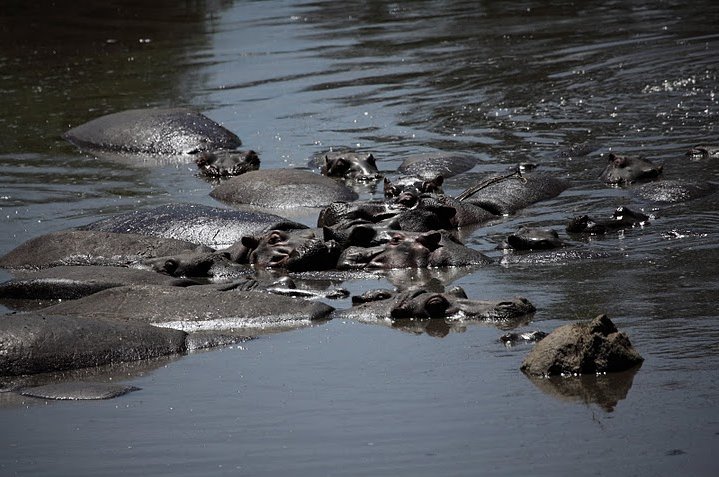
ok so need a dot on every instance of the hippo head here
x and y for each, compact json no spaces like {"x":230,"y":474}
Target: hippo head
{"x":296,"y":250}
{"x":534,"y":238}
{"x":622,"y":218}
{"x":350,"y":165}
{"x":703,"y":151}
{"x":421,"y":212}
{"x":227,"y":163}
{"x":626,"y":169}
{"x":413,"y":183}
{"x":190,"y":264}
{"x":403,"y":250}
{"x":422,"y":304}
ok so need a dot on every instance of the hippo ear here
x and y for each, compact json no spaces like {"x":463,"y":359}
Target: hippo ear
{"x":361,"y":235}
{"x":338,"y":167}
{"x":371,"y":161}
{"x":250,"y":242}
{"x":430,"y":240}
{"x":619,"y":161}
{"x":611,"y":157}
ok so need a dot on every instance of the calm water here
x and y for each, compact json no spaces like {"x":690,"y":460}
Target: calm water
{"x":505,"y":81}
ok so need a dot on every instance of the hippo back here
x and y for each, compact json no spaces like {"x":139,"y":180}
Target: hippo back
{"x":210,"y":226}
{"x":153,"y":131}
{"x":282,"y":188}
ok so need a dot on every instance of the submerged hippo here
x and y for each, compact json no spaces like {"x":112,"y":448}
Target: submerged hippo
{"x":173,"y":131}
{"x":91,"y":247}
{"x":622,"y":218}
{"x":210,"y":226}
{"x":297,"y":251}
{"x":413,"y":183}
{"x":41,"y":342}
{"x":507,"y":194}
{"x":412,"y":250}
{"x":420,"y":304}
{"x":628,"y":169}
{"x":282,"y":188}
{"x":200,"y":307}
{"x":348,"y":164}
{"x":218,"y":265}
{"x":33,"y":289}
{"x":219,"y":164}
{"x":431,"y":165}
{"x":534,"y":238}
{"x":703,"y":151}
{"x":672,"y":191}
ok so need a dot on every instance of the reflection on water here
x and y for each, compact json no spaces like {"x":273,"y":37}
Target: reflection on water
{"x":504,"y":81}
{"x":605,"y":390}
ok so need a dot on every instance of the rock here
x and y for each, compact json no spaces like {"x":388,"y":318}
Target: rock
{"x":582,"y":348}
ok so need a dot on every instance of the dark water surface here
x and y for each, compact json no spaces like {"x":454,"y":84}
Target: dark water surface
{"x":504,"y":81}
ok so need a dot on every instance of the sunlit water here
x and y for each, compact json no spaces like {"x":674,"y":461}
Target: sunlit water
{"x":504,"y":81}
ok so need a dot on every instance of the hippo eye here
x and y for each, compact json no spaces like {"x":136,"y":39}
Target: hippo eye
{"x":170,"y":266}
{"x":396,"y":239}
{"x":274,"y":239}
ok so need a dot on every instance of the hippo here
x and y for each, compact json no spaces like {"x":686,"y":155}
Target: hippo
{"x":562,"y":256}
{"x":628,"y":169}
{"x":215,"y":265}
{"x":589,"y":347}
{"x":41,"y":342}
{"x":577,"y":150}
{"x":622,"y":218}
{"x":90,"y":247}
{"x":282,"y":188}
{"x":420,"y":304}
{"x":673,"y":191}
{"x":161,"y":131}
{"x":414,"y":183}
{"x":542,"y":246}
{"x":410,"y":212}
{"x":431,"y":165}
{"x":209,"y":226}
{"x":195,"y":308}
{"x":33,"y":289}
{"x":221,"y":164}
{"x":515,"y":338}
{"x":412,"y":250}
{"x":67,"y":391}
{"x":507,"y":194}
{"x":703,"y":151}
{"x":348,"y":164}
{"x":297,"y":251}
{"x":533,"y":238}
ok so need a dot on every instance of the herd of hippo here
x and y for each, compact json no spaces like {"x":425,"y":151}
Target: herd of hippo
{"x":181,"y":276}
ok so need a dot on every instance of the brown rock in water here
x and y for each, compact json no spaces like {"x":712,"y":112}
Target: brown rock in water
{"x":582,"y":348}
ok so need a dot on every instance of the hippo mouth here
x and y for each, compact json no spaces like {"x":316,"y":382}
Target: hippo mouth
{"x":374,"y":177}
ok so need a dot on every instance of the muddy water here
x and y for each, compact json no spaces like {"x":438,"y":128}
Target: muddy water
{"x":505,"y":81}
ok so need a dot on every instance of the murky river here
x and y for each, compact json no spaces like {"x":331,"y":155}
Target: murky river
{"x":504,"y":81}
